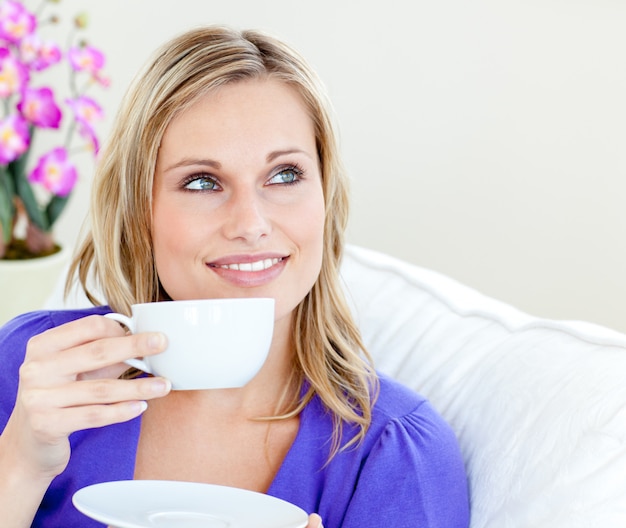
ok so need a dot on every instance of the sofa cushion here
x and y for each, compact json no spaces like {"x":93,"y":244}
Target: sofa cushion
{"x":538,"y":406}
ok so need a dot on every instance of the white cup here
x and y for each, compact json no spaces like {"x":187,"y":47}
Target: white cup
{"x":212,"y":343}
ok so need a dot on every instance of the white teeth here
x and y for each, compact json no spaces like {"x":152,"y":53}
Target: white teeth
{"x":259,"y":265}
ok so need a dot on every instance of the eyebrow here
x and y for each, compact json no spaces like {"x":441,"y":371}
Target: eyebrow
{"x":186,"y":162}
{"x":278,"y":153}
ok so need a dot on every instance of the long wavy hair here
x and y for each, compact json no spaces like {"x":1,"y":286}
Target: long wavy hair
{"x":116,"y":255}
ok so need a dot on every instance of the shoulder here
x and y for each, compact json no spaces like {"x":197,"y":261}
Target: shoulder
{"x":411,"y":445}
{"x":399,"y":405}
{"x":395,"y":399}
{"x":407,"y":467}
{"x":404,"y":420}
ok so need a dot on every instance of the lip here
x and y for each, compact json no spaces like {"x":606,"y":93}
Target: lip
{"x":227,"y":268}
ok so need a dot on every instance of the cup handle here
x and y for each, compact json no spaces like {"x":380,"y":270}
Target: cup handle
{"x":128,"y":323}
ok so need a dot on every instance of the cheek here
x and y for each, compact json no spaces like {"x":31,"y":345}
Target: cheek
{"x":163,"y":228}
{"x":171,"y":235}
{"x":310,"y":212}
{"x":318,"y":232}
{"x":311,"y":224}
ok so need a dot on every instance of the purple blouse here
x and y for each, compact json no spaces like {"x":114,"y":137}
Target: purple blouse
{"x":408,"y":471}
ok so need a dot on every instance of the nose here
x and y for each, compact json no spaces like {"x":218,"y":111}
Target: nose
{"x":246,"y":216}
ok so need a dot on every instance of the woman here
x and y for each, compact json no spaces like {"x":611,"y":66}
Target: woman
{"x":221,"y":179}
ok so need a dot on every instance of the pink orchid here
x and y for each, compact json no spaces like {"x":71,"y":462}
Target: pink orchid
{"x":86,"y":113}
{"x":86,"y":110}
{"x":14,"y":138}
{"x":13,"y":74}
{"x":33,"y":108}
{"x":89,"y":134}
{"x":39,"y":55}
{"x":55,"y":173}
{"x":38,"y":107}
{"x":86,"y":58}
{"x":102,"y":79}
{"x":16,"y":22}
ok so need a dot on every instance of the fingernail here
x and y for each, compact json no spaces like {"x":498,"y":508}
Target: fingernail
{"x":156,"y":341}
{"x":317,"y":518}
{"x":160,"y":385}
{"x":140,"y":406}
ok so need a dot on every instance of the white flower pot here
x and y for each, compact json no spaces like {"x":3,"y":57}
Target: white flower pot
{"x":25,"y":285}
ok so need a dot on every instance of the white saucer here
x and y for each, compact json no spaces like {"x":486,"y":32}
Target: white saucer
{"x":172,"y":504}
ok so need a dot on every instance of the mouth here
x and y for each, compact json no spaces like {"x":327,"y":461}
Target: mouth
{"x":248,"y":271}
{"x":257,"y":265}
{"x":247,"y":263}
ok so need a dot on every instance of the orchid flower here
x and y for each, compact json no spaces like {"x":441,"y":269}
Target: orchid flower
{"x":14,"y":138}
{"x":26,"y":107}
{"x":13,"y":74}
{"x":38,"y":55}
{"x":55,"y":172}
{"x":16,"y":21}
{"x":86,"y":58}
{"x":38,"y":107}
{"x":86,"y":113}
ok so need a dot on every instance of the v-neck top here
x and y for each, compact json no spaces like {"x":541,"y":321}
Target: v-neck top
{"x":406,"y":472}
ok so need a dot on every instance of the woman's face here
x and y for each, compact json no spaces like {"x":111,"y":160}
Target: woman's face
{"x":238,"y":207}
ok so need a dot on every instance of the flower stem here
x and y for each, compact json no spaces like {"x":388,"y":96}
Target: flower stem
{"x":70,"y":134}
{"x":40,"y":8}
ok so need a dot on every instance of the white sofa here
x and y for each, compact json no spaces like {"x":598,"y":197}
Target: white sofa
{"x":539,"y":406}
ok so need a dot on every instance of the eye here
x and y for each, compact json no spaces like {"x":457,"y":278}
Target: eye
{"x":200,"y":183}
{"x":286,"y":176}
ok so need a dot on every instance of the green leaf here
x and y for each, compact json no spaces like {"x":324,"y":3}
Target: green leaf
{"x":17,"y":170}
{"x":7,"y":207}
{"x":18,"y":166}
{"x":26,"y":194}
{"x":55,"y":208}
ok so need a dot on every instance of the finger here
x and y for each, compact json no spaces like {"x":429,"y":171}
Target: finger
{"x":52,"y":369}
{"x":51,"y":426}
{"x":111,"y":372}
{"x":315,"y":521}
{"x":73,"y":334}
{"x":109,"y":351}
{"x":94,"y":392}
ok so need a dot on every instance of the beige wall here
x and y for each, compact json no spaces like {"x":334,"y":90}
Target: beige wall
{"x":485,"y":139}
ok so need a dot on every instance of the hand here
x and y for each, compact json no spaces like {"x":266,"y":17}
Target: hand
{"x":68,"y":382}
{"x":315,"y":521}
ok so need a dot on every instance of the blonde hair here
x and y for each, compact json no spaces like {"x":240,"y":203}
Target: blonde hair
{"x":117,"y":252}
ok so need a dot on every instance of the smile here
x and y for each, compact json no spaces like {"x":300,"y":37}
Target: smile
{"x":259,"y":265}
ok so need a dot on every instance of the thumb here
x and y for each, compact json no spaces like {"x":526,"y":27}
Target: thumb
{"x":315,"y":521}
